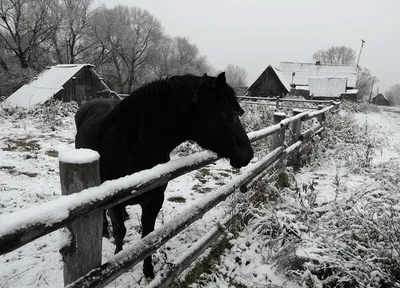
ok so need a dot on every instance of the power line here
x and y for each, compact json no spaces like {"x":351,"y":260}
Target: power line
{"x":370,"y":48}
{"x":379,"y":50}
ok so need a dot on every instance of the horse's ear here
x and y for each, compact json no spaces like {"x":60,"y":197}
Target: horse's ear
{"x":221,"y":80}
{"x":205,"y":75}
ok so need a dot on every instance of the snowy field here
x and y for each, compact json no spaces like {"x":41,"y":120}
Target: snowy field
{"x":334,"y":222}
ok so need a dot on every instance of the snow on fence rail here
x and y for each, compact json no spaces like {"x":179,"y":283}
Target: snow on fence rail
{"x":278,"y":101}
{"x":289,"y":100}
{"x":22,"y":227}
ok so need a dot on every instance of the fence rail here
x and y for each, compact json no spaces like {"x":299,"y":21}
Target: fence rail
{"x":25,"y":226}
{"x":288,"y":100}
{"x":279,"y":102}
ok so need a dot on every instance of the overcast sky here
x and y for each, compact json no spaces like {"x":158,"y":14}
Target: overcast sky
{"x":256,"y":33}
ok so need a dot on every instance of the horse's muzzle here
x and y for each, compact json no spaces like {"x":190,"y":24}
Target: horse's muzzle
{"x":242,"y":158}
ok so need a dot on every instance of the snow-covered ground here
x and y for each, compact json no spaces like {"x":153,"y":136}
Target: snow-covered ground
{"x":337,"y":222}
{"x":29,"y":146}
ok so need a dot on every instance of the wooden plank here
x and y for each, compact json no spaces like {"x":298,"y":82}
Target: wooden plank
{"x":311,"y":132}
{"x":243,"y":187}
{"x":296,"y":131}
{"x":136,"y":252}
{"x":289,"y":100}
{"x":118,"y":191}
{"x":319,"y":112}
{"x":272,"y":104}
{"x":84,"y":252}
{"x":279,"y":137}
{"x":321,"y":117}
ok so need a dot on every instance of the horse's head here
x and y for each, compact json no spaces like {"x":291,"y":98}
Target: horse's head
{"x":215,"y":123}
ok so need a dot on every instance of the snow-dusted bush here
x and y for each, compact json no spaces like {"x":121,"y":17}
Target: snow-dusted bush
{"x":355,"y":146}
{"x":256,"y":117}
{"x":351,"y":240}
{"x":49,"y":115}
{"x":54,"y":111}
{"x":360,"y":107}
{"x":186,"y":148}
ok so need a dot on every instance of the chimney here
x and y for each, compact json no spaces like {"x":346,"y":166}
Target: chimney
{"x":317,"y":62}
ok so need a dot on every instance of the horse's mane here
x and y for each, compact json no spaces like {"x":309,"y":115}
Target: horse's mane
{"x":179,"y":86}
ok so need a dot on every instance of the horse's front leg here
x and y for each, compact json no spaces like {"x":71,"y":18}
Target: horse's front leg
{"x":119,"y":230}
{"x":150,"y":210}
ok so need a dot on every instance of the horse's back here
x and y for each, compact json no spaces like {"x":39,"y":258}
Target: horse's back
{"x":96,"y":106}
{"x":89,"y":119}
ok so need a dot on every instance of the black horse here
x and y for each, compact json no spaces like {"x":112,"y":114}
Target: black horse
{"x":140,"y":131}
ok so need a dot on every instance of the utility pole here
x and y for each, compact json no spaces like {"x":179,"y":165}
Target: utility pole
{"x":358,"y":62}
{"x":359,"y":54}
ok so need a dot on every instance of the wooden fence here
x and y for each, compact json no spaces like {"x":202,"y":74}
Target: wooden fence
{"x":279,"y":102}
{"x":82,"y":258}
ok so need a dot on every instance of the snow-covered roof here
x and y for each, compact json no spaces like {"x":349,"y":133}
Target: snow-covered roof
{"x":302,"y":87}
{"x":45,"y":85}
{"x":305,"y":71}
{"x":351,"y":91}
{"x":327,"y":86}
{"x":282,"y":77}
{"x":381,"y":95}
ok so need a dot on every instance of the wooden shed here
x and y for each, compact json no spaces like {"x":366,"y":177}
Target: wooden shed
{"x":380,"y":99}
{"x":66,"y":82}
{"x":271,"y":82}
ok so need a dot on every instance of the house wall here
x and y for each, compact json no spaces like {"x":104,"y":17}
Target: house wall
{"x":267,"y":85}
{"x":83,"y":88}
{"x":327,"y":86}
{"x":350,"y":97}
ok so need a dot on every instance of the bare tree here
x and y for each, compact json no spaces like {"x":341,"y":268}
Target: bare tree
{"x":177,"y":56}
{"x":365,"y":82}
{"x":107,"y":30}
{"x":393,"y":94}
{"x":163,"y":63}
{"x":236,"y":76}
{"x":128,"y":45}
{"x":336,"y":55}
{"x":24,"y":26}
{"x":69,"y":43}
{"x":186,"y":55}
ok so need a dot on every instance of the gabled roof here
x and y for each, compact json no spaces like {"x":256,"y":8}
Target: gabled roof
{"x":45,"y":85}
{"x":305,"y":71}
{"x":380,"y":94}
{"x":282,"y":77}
{"x":278,"y":73}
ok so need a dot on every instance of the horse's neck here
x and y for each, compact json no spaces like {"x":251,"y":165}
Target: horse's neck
{"x":160,"y":126}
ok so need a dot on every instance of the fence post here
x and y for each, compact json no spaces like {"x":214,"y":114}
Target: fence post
{"x":296,"y":131}
{"x":79,"y":169}
{"x":277,"y":102}
{"x":321,"y":117}
{"x":279,"y":137}
{"x":336,"y":108}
